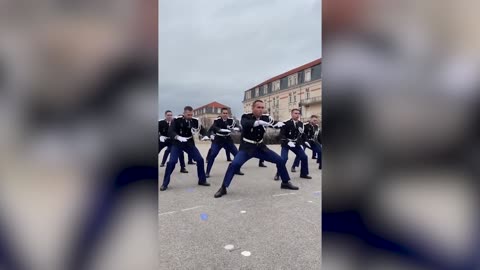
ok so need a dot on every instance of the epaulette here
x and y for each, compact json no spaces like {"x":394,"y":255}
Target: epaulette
{"x":160,"y":120}
{"x":230,"y":118}
{"x":266,"y":114}
{"x":178,"y":116}
{"x":195,"y":118}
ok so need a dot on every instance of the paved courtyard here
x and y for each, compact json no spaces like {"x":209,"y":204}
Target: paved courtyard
{"x":256,"y":225}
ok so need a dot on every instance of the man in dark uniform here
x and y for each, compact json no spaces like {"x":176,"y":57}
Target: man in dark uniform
{"x":222,"y":128}
{"x":291,"y":135}
{"x":211,"y":134}
{"x":253,"y":129}
{"x":310,"y":141}
{"x":165,"y":141}
{"x":181,"y":131}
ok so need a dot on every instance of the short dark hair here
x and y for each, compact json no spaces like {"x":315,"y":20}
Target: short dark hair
{"x":224,"y":109}
{"x":256,"y":101}
{"x":188,"y":108}
{"x":295,"y":110}
{"x":167,"y":111}
{"x":314,"y":116}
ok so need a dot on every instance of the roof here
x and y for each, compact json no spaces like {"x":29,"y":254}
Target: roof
{"x":213,"y":105}
{"x":290,"y":72}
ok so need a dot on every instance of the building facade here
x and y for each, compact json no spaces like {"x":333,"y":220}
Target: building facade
{"x":299,"y":88}
{"x":209,"y":112}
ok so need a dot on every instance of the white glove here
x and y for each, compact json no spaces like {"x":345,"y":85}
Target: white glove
{"x":236,"y":129}
{"x":163,"y":138}
{"x":225,"y":130}
{"x":291,"y":144}
{"x":181,"y":139}
{"x":279,"y":124}
{"x":212,"y":137}
{"x":205,"y":138}
{"x":308,"y":144}
{"x":261,"y":122}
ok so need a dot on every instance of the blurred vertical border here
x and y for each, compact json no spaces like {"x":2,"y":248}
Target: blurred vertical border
{"x":401,"y":134}
{"x":78,"y":136}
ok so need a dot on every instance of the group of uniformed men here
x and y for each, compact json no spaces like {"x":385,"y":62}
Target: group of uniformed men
{"x":177,"y":135}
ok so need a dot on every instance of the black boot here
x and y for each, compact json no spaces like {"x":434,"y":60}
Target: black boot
{"x":277,"y":177}
{"x":293,"y":169}
{"x":183,"y":170}
{"x":239,"y":173}
{"x":306,"y":176}
{"x":222,"y":191}
{"x":163,"y":188}
{"x":288,"y":185}
{"x":204,"y":184}
{"x":162,"y":165}
{"x":261,"y":165}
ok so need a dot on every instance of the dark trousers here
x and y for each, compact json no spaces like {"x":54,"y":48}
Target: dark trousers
{"x":192,"y":151}
{"x":227,"y":153}
{"x":167,"y":152}
{"x":215,"y":149}
{"x":242,"y":157}
{"x":316,"y":149}
{"x":300,"y":155}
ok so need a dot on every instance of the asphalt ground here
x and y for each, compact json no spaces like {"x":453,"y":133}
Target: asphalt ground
{"x":268,"y":227}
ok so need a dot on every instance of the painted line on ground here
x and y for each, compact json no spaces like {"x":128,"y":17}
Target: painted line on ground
{"x":191,"y":208}
{"x":167,"y":213}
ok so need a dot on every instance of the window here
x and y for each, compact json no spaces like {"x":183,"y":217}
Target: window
{"x":204,"y":110}
{"x":295,"y":97}
{"x":248,"y":94}
{"x":290,"y":98}
{"x":276,"y":85}
{"x":256,"y":92}
{"x":265,"y":89}
{"x":292,"y":80}
{"x":308,"y":75}
{"x":307,"y":93}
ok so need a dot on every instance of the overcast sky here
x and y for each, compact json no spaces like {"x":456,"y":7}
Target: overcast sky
{"x":214,"y":50}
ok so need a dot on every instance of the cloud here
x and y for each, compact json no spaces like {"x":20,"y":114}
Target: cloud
{"x":214,"y":50}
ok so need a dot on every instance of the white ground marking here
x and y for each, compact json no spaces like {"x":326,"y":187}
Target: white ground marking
{"x":246,"y":253}
{"x":233,"y":201}
{"x":228,"y":247}
{"x":191,"y":208}
{"x":283,"y":194}
{"x":167,"y":213}
{"x":243,"y":211}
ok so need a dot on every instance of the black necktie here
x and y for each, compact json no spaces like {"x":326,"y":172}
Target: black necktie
{"x":188,"y":123}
